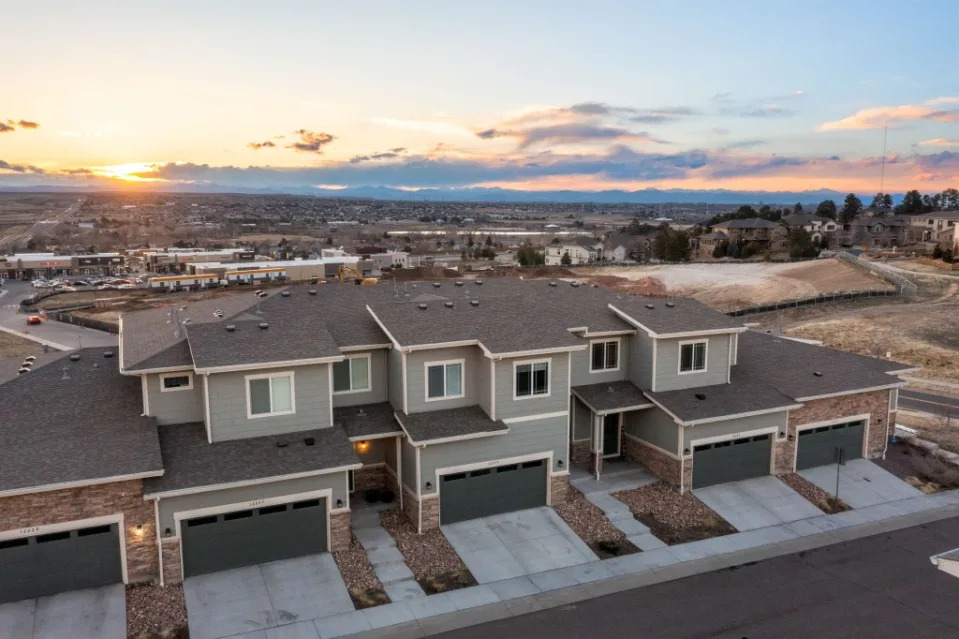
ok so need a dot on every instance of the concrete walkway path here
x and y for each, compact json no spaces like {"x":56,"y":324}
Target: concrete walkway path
{"x":757,"y":503}
{"x":95,"y":613}
{"x":861,"y":483}
{"x":620,"y":516}
{"x":616,"y":476}
{"x":517,"y":544}
{"x":385,"y":557}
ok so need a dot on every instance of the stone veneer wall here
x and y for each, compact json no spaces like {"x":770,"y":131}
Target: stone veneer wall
{"x":657,"y":462}
{"x":172,"y":567}
{"x":579,"y":452}
{"x":431,"y":512}
{"x":558,"y":489}
{"x":341,"y":532}
{"x":61,"y":506}
{"x":370,"y":477}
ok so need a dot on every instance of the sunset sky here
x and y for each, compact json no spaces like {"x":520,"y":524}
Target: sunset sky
{"x":534,"y":95}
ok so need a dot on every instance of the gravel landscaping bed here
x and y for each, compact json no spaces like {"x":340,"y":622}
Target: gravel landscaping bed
{"x":814,"y":494}
{"x":593,"y":527}
{"x":919,"y":469}
{"x":156,"y":612}
{"x":673,"y":518}
{"x":435,"y":565}
{"x":362,"y":583}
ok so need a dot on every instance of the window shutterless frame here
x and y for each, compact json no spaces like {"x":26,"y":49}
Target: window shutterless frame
{"x":531,"y":364}
{"x":610,"y":354}
{"x":165,"y":376}
{"x":444,"y":365}
{"x":270,"y":376}
{"x":694,"y":356}
{"x":350,"y":362}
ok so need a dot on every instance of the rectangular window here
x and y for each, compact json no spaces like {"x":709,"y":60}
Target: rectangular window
{"x":176,"y":382}
{"x":444,"y":381}
{"x":692,"y":357}
{"x":605,"y":356}
{"x":272,"y":395}
{"x":352,"y":375}
{"x":532,"y":379}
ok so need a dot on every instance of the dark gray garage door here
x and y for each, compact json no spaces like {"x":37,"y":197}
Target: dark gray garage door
{"x":255,"y":536}
{"x":731,"y":460}
{"x":491,"y":491}
{"x":818,"y":446}
{"x":56,"y":562}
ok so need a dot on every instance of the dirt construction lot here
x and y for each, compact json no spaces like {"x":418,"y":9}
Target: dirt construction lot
{"x":732,"y":286}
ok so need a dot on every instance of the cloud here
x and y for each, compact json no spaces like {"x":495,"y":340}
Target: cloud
{"x":256,"y":146}
{"x":572,"y":133}
{"x":385,"y":155}
{"x":745,"y":144}
{"x":878,"y":117}
{"x":726,"y":96}
{"x":940,"y":142}
{"x":27,"y":124}
{"x":738,"y":167}
{"x":6,"y":128}
{"x":76,"y":172}
{"x":761,"y":111}
{"x":20,"y":168}
{"x":310,"y":142}
{"x":436,"y":127}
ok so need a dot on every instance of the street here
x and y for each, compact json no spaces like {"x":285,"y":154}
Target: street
{"x":57,"y":334}
{"x":880,"y":586}
{"x":929,"y":403}
{"x":10,"y":240}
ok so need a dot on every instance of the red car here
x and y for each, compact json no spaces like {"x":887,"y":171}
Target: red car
{"x":34,"y":319}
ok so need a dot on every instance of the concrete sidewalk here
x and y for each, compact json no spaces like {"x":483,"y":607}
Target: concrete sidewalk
{"x":94,"y":613}
{"x":757,"y":503}
{"x":861,"y":483}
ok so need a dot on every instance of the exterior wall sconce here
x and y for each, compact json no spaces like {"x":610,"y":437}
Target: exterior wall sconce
{"x":782,"y":435}
{"x":685,"y":451}
{"x":559,"y":463}
{"x":791,"y":437}
{"x":362,"y":447}
{"x":339,"y":503}
{"x":139,"y":530}
{"x":429,"y":485}
{"x":167,"y":532}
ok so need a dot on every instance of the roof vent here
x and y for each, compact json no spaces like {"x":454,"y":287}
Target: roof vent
{"x":22,"y":371}
{"x":670,"y":304}
{"x":285,"y":293}
{"x":263,"y":325}
{"x":309,"y":441}
{"x":312,"y":291}
{"x":478,"y":282}
{"x":230,"y":328}
{"x":75,"y":357}
{"x":474,"y":302}
{"x":281,"y":444}
{"x":553,"y":284}
{"x":817,"y":374}
{"x":421,"y":306}
{"x":107,"y":354}
{"x":650,"y":306}
{"x":436,"y":284}
{"x":26,"y":364}
{"x":700,"y":396}
{"x":30,"y":358}
{"x":448,"y":304}
{"x":457,"y":283}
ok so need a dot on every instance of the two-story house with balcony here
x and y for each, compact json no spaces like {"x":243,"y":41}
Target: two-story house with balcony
{"x":240,"y":429}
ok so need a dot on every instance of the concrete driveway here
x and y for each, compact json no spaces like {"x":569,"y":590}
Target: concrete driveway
{"x":255,"y":598}
{"x":95,"y":613}
{"x":757,"y":503}
{"x":861,"y":483}
{"x":516,"y":544}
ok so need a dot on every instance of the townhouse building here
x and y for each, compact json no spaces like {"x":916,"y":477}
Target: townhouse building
{"x":581,"y":250}
{"x":241,"y":429}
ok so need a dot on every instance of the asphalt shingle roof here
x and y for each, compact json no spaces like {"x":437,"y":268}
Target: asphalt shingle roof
{"x":454,"y":422}
{"x":191,"y":462}
{"x":288,"y":337}
{"x":748,"y":223}
{"x":741,"y":395}
{"x":368,"y":420}
{"x":683,"y":316}
{"x":611,"y":396}
{"x":74,"y":421}
{"x":10,"y":366}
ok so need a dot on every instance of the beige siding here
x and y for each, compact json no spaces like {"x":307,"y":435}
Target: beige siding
{"x":735,"y":427}
{"x":507,"y":407}
{"x":667,"y":364}
{"x":582,"y":361}
{"x":379,"y":388}
{"x":416,"y":378}
{"x":175,"y":407}
{"x":654,"y":426}
{"x":640,"y":360}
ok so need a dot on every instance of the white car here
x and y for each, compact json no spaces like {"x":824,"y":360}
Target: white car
{"x":126,"y":287}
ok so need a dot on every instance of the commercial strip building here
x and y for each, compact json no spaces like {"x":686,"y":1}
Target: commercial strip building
{"x":31,"y":265}
{"x":244,"y":434}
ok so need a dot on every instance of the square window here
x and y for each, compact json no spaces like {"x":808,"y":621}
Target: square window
{"x":532,"y":379}
{"x":692,"y":357}
{"x":444,"y":381}
{"x":604,"y":356}
{"x":270,"y":395}
{"x":352,"y":375}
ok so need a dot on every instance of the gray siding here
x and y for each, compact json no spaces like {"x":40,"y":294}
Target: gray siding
{"x":483,"y":391}
{"x":389,"y":452}
{"x":379,"y":390}
{"x":654,"y":426}
{"x":395,"y":366}
{"x":667,"y":364}
{"x":537,"y":436}
{"x":409,"y":464}
{"x":242,"y":496}
{"x":175,"y":407}
{"x":228,"y":404}
{"x":416,"y":378}
{"x":507,"y":407}
{"x":582,"y":360}
{"x":376,"y":453}
{"x":640,"y":360}
{"x":734,"y":427}
{"x":582,"y":420}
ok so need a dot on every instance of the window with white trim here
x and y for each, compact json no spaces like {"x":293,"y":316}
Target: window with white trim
{"x":692,"y":357}
{"x":604,"y":356}
{"x":532,"y":379}
{"x":176,"y":382}
{"x":352,"y":375}
{"x":270,"y":395}
{"x":444,"y":381}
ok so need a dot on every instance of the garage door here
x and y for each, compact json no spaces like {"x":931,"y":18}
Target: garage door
{"x":731,"y":460}
{"x":254,"y":536}
{"x":491,"y":491}
{"x":818,"y":446}
{"x":55,"y":562}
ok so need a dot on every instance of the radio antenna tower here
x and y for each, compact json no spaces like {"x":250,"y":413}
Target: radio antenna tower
{"x":882,"y":170}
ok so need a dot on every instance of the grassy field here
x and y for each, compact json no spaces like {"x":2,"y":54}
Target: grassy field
{"x":15,"y":346}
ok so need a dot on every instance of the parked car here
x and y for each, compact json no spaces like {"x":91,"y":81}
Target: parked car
{"x":81,"y":283}
{"x":34,"y":319}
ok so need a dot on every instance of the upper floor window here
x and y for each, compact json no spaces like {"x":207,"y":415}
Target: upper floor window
{"x":270,"y":394}
{"x":444,"y":380}
{"x":604,"y":356}
{"x":352,"y":375}
{"x":176,"y":382}
{"x":692,"y":357}
{"x":532,"y":379}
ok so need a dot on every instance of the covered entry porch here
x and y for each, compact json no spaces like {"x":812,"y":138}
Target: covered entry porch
{"x":597,"y":418}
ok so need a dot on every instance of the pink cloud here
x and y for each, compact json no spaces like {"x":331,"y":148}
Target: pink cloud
{"x":940,"y":142}
{"x":878,"y":117}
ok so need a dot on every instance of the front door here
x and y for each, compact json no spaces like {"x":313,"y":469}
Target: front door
{"x":611,"y":435}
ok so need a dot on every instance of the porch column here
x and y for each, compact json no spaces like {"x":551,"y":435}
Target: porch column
{"x":596,"y":454}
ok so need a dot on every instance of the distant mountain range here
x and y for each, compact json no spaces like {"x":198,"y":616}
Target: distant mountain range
{"x":483,"y":194}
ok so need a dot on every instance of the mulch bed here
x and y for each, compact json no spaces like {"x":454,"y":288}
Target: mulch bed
{"x":435,"y":565}
{"x":814,"y":494}
{"x":156,"y":612}
{"x":674,"y":518}
{"x":593,"y":527}
{"x":920,"y":469}
{"x":362,"y":583}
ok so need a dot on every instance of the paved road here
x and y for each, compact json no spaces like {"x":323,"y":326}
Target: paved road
{"x":881,"y":586}
{"x":56,"y":334}
{"x":929,"y":403}
{"x":10,"y":240}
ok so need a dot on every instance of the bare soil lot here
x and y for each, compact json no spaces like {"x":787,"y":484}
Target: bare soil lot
{"x":939,"y":429}
{"x":728,"y":286}
{"x":435,"y":565}
{"x":814,"y":494}
{"x":15,"y":346}
{"x":365,"y":588}
{"x":593,"y":527}
{"x":920,"y":469}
